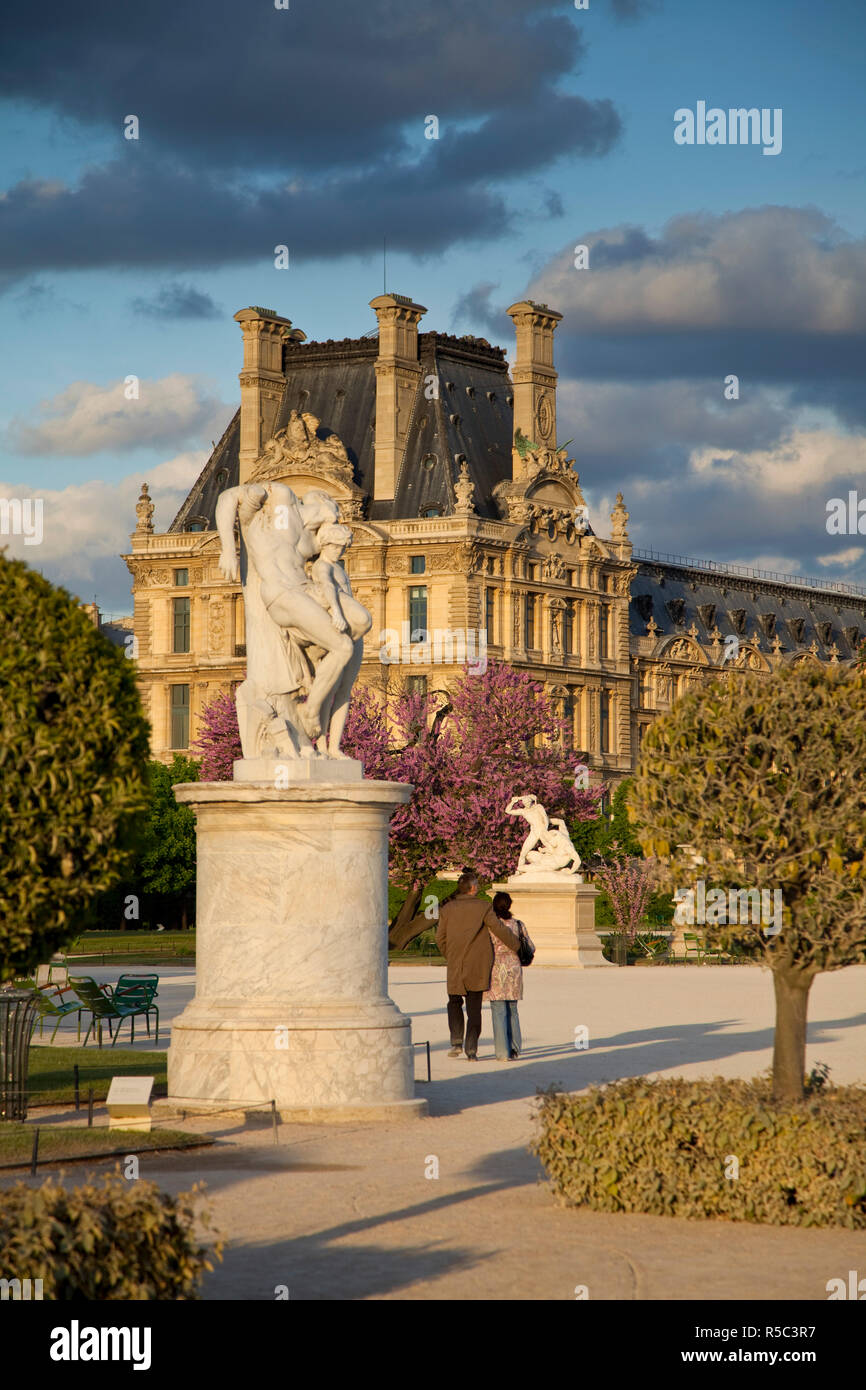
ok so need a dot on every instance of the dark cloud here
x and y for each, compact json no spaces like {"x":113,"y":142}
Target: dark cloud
{"x":248,"y":84}
{"x":304,"y":127}
{"x":177,"y":301}
{"x":773,"y":295}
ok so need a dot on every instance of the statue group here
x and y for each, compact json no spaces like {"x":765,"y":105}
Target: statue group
{"x":304,"y":628}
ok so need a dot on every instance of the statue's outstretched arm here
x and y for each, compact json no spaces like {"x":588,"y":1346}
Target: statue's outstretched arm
{"x":251,"y":496}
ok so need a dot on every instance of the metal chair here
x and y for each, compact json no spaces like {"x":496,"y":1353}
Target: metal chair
{"x":108,"y":1008}
{"x":49,"y":1004}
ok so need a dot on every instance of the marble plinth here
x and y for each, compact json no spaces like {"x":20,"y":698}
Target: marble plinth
{"x":288,"y":772}
{"x":559,"y":912}
{"x":291,"y":1001}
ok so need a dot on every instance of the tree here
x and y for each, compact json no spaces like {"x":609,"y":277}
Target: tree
{"x":73,"y":748}
{"x":467,"y":752}
{"x":219,"y":741}
{"x":763,"y":780}
{"x":166,"y":863}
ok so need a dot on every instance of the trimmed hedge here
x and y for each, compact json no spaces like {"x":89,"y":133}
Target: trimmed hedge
{"x":121,"y":1241}
{"x":663,"y":1148}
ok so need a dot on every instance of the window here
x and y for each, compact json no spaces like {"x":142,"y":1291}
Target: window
{"x":529,"y":624}
{"x":418,"y":613}
{"x":531,"y":570}
{"x":432,"y":511}
{"x":181,"y":624}
{"x":491,"y":564}
{"x":417,"y":564}
{"x":568,"y":716}
{"x":568,"y":627}
{"x":181,"y":577}
{"x":571,"y":576}
{"x":489,"y":613}
{"x":603,"y":634}
{"x":416,"y":685}
{"x":180,"y":716}
{"x":604,"y":722}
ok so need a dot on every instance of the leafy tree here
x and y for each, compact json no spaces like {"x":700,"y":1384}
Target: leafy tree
{"x":159,"y":886}
{"x":764,"y":781}
{"x":467,"y":752}
{"x":219,"y":741}
{"x":595,"y":839}
{"x":73,"y":748}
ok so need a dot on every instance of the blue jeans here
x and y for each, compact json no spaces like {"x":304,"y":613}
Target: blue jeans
{"x":506,"y":1027}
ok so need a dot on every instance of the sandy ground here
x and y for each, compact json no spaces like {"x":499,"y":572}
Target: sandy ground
{"x":357,"y":1212}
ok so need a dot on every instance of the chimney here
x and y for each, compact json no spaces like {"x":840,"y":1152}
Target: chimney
{"x":532,"y":374}
{"x":398,"y":373}
{"x":262,"y":378}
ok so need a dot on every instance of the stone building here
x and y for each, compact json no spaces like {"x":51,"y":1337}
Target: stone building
{"x":471,"y":538}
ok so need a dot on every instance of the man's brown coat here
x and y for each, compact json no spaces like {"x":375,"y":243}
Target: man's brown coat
{"x":463,"y":938}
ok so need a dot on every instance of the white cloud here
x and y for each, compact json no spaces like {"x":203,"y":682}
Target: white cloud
{"x":87,"y":418}
{"x":86,"y":526}
{"x":805,"y":460}
{"x":842,"y":558}
{"x":767,"y":268}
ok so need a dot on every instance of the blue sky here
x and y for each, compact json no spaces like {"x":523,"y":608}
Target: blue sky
{"x":306,"y":127}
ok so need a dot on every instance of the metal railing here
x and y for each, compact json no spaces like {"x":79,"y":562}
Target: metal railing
{"x":801,"y":581}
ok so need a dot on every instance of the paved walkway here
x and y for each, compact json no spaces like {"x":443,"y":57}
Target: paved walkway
{"x":350,"y":1213}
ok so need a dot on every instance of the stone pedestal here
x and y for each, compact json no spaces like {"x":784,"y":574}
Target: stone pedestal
{"x":559,"y":912}
{"x":291,"y":1000}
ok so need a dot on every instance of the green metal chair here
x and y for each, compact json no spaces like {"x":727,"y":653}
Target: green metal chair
{"x":141,"y":990}
{"x":50,"y":1004}
{"x":107,"y":1008}
{"x":694,"y":949}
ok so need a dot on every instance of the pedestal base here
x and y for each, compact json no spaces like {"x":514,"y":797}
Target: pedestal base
{"x":559,"y":913}
{"x":291,"y":1002}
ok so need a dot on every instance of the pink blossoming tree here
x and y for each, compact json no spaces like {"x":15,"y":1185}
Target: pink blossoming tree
{"x":467,"y":752}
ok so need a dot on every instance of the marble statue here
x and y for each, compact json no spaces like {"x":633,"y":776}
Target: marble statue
{"x":547,"y":847}
{"x":304,"y":630}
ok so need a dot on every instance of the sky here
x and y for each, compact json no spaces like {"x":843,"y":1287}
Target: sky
{"x":308,"y":127}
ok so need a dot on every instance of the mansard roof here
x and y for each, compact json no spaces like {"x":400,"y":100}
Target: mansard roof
{"x":753,"y":607}
{"x":466,"y":413}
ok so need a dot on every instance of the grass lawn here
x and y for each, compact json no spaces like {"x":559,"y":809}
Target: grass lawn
{"x":122,"y":948}
{"x":50,"y":1080}
{"x":16,"y":1142}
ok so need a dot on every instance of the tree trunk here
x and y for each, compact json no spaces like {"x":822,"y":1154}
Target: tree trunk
{"x":789,"y":1044}
{"x":406,"y":926}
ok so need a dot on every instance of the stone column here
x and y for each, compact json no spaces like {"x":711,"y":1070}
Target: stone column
{"x":291,"y":1000}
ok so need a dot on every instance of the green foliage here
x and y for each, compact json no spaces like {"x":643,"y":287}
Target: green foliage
{"x":765,"y":779}
{"x":161,"y":878}
{"x":663,"y":1148}
{"x":166,"y":862}
{"x":595,"y":839}
{"x":73,"y":746}
{"x":118,"y":1242}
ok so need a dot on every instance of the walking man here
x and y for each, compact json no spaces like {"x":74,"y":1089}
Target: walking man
{"x":463,"y":937}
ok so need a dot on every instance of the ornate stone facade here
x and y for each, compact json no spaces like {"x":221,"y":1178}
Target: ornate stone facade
{"x":469,"y":522}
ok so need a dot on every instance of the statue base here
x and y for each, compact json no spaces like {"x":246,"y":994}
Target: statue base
{"x":559,"y":913}
{"x":291,"y":1004}
{"x":289,"y":772}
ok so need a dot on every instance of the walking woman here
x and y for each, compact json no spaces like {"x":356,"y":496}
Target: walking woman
{"x":506,"y":986}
